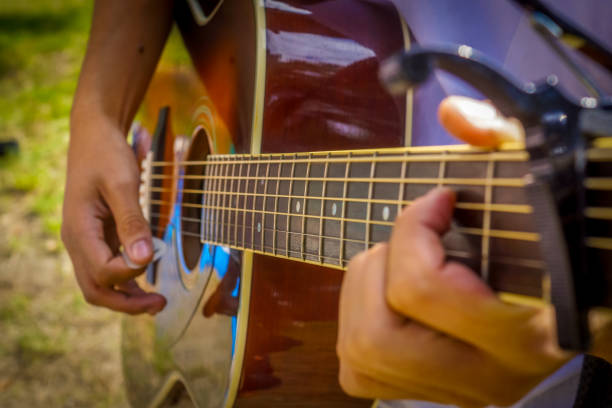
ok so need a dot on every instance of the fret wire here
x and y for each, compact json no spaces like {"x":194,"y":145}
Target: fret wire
{"x":236,"y":203}
{"x":344,"y":192}
{"x":402,"y":188}
{"x":208,"y":202}
{"x":441,"y":172}
{"x":225,"y":204}
{"x":255,"y":207}
{"x":321,"y":220}
{"x":276,"y":209}
{"x":218,"y":201}
{"x":287,"y":244}
{"x":213,"y":201}
{"x":231,"y":198}
{"x":486,"y":226}
{"x":211,"y":220}
{"x":246,"y":190}
{"x":305,"y":201}
{"x":498,"y":182}
{"x":369,"y":204}
{"x":203,"y":214}
{"x":500,"y":207}
{"x":263,"y":216}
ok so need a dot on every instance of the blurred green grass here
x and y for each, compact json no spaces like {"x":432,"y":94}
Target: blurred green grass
{"x":41,"y":47}
{"x":54,"y":350}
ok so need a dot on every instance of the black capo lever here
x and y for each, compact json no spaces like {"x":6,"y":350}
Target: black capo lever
{"x":558,"y":131}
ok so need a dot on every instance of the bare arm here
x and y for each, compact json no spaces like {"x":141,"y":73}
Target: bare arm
{"x":101,"y":208}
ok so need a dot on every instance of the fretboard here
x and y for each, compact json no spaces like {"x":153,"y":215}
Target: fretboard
{"x":324,"y":208}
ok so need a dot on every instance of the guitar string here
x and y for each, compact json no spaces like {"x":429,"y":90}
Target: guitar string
{"x":497,"y":182}
{"x":590,"y":212}
{"x":593,"y":154}
{"x":590,"y":183}
{"x":592,"y":241}
{"x":514,"y":261}
{"x":356,"y":157}
{"x":498,"y":207}
{"x":495,"y":233}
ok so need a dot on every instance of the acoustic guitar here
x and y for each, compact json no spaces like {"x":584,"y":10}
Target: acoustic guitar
{"x":296,"y":160}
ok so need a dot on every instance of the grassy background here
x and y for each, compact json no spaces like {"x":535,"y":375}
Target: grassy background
{"x":55,"y":350}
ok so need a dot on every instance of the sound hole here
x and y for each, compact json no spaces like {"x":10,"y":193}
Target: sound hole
{"x":192,"y":197}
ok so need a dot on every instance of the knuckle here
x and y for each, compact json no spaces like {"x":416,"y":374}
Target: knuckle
{"x":405,"y":294}
{"x":120,"y":183}
{"x":361,"y":342}
{"x":357,"y":262}
{"x":350,"y":382}
{"x":132,"y":223}
{"x":92,"y":297}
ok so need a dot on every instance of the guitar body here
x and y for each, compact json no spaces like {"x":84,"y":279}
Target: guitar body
{"x":240,"y":328}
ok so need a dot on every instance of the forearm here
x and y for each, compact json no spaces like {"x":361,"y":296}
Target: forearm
{"x":126,"y":40}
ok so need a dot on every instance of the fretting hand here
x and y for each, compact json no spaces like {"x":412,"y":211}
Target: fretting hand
{"x":414,"y":326}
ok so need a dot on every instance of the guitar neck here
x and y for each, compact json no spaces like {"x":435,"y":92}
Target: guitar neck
{"x":324,"y":208}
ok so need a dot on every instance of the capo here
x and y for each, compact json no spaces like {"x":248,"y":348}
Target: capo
{"x":558,"y":131}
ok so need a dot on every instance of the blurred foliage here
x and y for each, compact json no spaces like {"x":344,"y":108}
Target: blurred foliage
{"x":55,"y":350}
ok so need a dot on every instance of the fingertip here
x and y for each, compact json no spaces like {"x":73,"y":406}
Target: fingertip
{"x":140,"y":252}
{"x":157,"y":303}
{"x":442,"y":193}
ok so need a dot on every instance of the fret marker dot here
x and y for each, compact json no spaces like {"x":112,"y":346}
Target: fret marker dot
{"x":298,"y":206}
{"x":261,"y":183}
{"x":259,"y":227}
{"x":334,"y":209}
{"x":385,"y":213}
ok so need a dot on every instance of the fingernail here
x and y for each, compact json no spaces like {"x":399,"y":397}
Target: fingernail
{"x":140,"y":250}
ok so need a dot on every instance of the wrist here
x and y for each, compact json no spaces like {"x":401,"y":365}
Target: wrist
{"x":88,"y":120}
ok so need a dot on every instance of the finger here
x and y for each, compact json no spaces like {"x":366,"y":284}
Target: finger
{"x":130,"y":287}
{"x":132,"y":228}
{"x":378,"y":342}
{"x":446,"y":296}
{"x":131,"y":301}
{"x":478,"y":123}
{"x":369,"y":330}
{"x":105,"y":268}
{"x":363,"y":309}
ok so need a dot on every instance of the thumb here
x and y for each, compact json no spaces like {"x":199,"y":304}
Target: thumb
{"x":478,"y":122}
{"x":132,"y":228}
